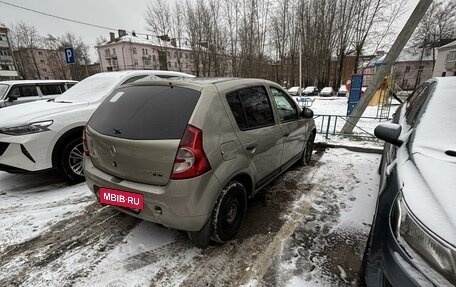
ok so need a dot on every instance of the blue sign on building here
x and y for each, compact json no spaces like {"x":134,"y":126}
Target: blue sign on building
{"x":355,"y":92}
{"x":69,"y":56}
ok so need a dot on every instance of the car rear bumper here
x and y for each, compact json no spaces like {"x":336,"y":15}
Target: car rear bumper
{"x":181,"y":204}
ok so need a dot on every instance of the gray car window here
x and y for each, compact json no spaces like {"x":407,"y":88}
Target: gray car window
{"x":251,"y":108}
{"x":287,"y":111}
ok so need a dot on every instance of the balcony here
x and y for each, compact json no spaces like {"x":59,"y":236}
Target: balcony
{"x":108,"y":57}
{"x":113,"y":56}
{"x":450,"y":65}
{"x":146,"y":57}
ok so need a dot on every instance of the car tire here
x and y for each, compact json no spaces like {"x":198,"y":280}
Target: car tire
{"x":229,"y":212}
{"x":306,"y":156}
{"x":71,"y":160}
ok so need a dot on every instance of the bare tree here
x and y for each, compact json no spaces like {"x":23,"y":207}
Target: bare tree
{"x":438,"y":24}
{"x":24,"y":42}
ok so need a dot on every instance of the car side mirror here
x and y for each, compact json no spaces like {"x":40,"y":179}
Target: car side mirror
{"x":307,"y":113}
{"x":12,"y":98}
{"x":390,"y":133}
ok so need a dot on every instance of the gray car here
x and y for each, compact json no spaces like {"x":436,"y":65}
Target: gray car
{"x":188,"y":153}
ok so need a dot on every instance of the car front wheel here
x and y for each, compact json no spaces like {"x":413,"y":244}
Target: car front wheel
{"x":71,"y":160}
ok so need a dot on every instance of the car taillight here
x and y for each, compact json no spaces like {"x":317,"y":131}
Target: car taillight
{"x":84,"y":142}
{"x":191,"y":161}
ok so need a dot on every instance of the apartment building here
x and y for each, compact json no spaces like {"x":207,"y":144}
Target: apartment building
{"x":142,"y":52}
{"x":445,"y":64}
{"x":7,"y":65}
{"x":42,"y":64}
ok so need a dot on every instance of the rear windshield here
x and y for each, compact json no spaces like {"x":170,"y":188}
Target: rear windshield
{"x":145,"y":112}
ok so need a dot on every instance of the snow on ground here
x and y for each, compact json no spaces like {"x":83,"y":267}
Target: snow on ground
{"x":31,"y":203}
{"x":327,"y":246}
{"x":308,"y":228}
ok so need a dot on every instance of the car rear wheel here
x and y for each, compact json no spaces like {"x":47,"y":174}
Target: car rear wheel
{"x":71,"y":160}
{"x":229,"y":212}
{"x":306,"y":156}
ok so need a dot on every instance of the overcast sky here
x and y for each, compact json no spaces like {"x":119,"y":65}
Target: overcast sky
{"x":118,"y":14}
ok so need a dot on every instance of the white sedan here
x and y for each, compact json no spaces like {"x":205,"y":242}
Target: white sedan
{"x":46,"y":135}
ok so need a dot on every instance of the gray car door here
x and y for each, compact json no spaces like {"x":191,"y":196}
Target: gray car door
{"x":294,"y":128}
{"x":257,"y":130}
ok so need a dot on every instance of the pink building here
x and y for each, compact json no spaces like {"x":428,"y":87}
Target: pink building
{"x":130,"y":52}
{"x":42,"y":64}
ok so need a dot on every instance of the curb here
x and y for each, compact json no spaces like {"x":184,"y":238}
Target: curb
{"x":350,"y":148}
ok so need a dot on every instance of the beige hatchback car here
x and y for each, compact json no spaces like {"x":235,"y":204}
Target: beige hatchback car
{"x":188,"y":153}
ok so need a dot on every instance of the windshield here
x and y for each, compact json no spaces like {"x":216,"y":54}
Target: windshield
{"x":90,"y":89}
{"x":309,"y":89}
{"x":3,"y":89}
{"x":327,"y":90}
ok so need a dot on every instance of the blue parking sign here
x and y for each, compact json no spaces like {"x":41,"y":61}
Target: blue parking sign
{"x":69,"y":55}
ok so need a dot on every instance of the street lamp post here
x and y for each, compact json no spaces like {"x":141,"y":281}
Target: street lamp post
{"x":300,"y":63}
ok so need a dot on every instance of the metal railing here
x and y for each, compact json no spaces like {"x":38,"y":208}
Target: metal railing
{"x":331,"y":125}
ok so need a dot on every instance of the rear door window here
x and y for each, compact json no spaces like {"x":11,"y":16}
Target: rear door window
{"x":50,"y":89}
{"x":146,"y":112}
{"x":251,"y":108}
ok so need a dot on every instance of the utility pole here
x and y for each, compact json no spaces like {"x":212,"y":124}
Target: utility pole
{"x":385,"y":68}
{"x":300,"y":63}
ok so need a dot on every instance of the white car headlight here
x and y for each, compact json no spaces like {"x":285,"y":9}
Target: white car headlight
{"x":438,"y":254}
{"x":31,"y":128}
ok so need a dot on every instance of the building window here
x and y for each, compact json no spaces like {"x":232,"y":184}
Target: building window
{"x":134,"y":50}
{"x":147,"y":62}
{"x":46,"y":78}
{"x":169,"y":64}
{"x":107,"y":52}
{"x":113,"y":51}
{"x":136,"y":62}
{"x":443,"y":74}
{"x":44,"y":70}
{"x":175,"y":64}
{"x":42,"y":61}
{"x":186,"y":65}
{"x":407,"y":69}
{"x":40,"y":53}
{"x":145,"y":52}
{"x":169,"y":54}
{"x":153,"y":58}
{"x":420,"y":68}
